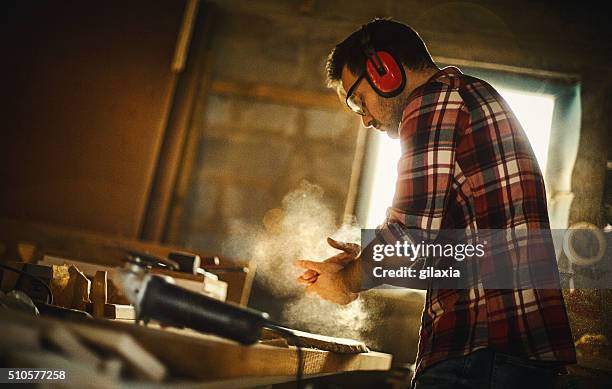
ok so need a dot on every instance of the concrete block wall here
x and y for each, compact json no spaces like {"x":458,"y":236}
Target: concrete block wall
{"x":254,"y":152}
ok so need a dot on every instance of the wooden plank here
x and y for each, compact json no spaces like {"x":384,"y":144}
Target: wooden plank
{"x":80,"y":375}
{"x":199,"y":356}
{"x":540,"y":73}
{"x":80,"y":287}
{"x":60,"y":337}
{"x":89,"y":269}
{"x":120,"y":311}
{"x":117,"y":311}
{"x":144,"y":364}
{"x":184,"y":37}
{"x":99,"y":293}
{"x":17,"y":336}
{"x":321,"y":342}
{"x":207,"y":284}
{"x":210,"y":357}
{"x":277,"y":94}
{"x":239,"y":282}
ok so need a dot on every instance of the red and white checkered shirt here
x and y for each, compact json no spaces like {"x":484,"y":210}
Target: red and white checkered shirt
{"x":466,"y":163}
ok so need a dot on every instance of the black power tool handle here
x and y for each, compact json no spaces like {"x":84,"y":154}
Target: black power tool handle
{"x":176,"y":306}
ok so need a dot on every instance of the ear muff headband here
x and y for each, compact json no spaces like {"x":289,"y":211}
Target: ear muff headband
{"x":384,"y":74}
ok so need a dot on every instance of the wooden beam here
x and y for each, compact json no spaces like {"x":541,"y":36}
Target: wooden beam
{"x":183,"y":176}
{"x":178,"y":148}
{"x":176,"y":137}
{"x":184,"y":37}
{"x":277,"y":94}
{"x":508,"y":68}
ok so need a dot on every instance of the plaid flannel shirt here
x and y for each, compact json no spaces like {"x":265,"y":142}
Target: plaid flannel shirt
{"x":467,"y":164}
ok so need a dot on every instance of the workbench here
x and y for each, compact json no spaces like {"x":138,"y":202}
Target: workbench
{"x":192,"y":358}
{"x":150,"y":354}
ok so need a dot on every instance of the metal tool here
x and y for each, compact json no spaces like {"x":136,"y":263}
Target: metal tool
{"x":156,"y":297}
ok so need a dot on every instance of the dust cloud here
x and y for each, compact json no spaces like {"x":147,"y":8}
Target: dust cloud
{"x":298,"y":230}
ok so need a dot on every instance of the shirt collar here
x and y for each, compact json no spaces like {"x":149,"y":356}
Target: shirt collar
{"x":447,"y":75}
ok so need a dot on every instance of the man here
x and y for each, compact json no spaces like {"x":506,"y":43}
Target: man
{"x":465,"y":164}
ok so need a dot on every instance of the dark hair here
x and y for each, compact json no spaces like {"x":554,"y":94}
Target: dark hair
{"x":398,"y":39}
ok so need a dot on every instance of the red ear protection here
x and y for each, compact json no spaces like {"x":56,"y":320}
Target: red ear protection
{"x":388,"y":79}
{"x":383,"y":72}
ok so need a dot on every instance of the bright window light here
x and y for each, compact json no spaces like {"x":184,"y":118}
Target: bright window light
{"x":388,"y":152}
{"x":534,"y":112}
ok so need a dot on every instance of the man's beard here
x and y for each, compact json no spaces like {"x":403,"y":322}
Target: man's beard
{"x":394,"y":110}
{"x":393,"y":133}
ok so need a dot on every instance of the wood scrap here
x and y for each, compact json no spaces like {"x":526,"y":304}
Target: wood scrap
{"x":86,"y":268}
{"x":98,"y":294}
{"x":142,"y":363}
{"x":112,"y":368}
{"x":321,"y":342}
{"x":18,"y":336}
{"x":120,"y":311}
{"x":62,"y":296}
{"x":213,"y":287}
{"x":116,"y":311}
{"x":239,"y":280}
{"x":70,"y":345}
{"x":106,"y":252}
{"x":114,"y":295}
{"x":79,"y":375}
{"x":80,"y":286}
{"x":206,"y":283}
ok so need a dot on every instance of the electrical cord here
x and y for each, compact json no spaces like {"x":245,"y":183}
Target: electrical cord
{"x":37,"y":279}
{"x":288,"y":334}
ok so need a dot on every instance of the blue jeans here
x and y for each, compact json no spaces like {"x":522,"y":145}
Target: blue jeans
{"x":487,"y":369}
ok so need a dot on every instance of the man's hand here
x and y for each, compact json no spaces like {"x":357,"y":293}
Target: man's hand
{"x":349,"y":253}
{"x":336,"y":278}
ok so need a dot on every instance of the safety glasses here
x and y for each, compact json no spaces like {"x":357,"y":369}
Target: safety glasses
{"x":355,"y":104}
